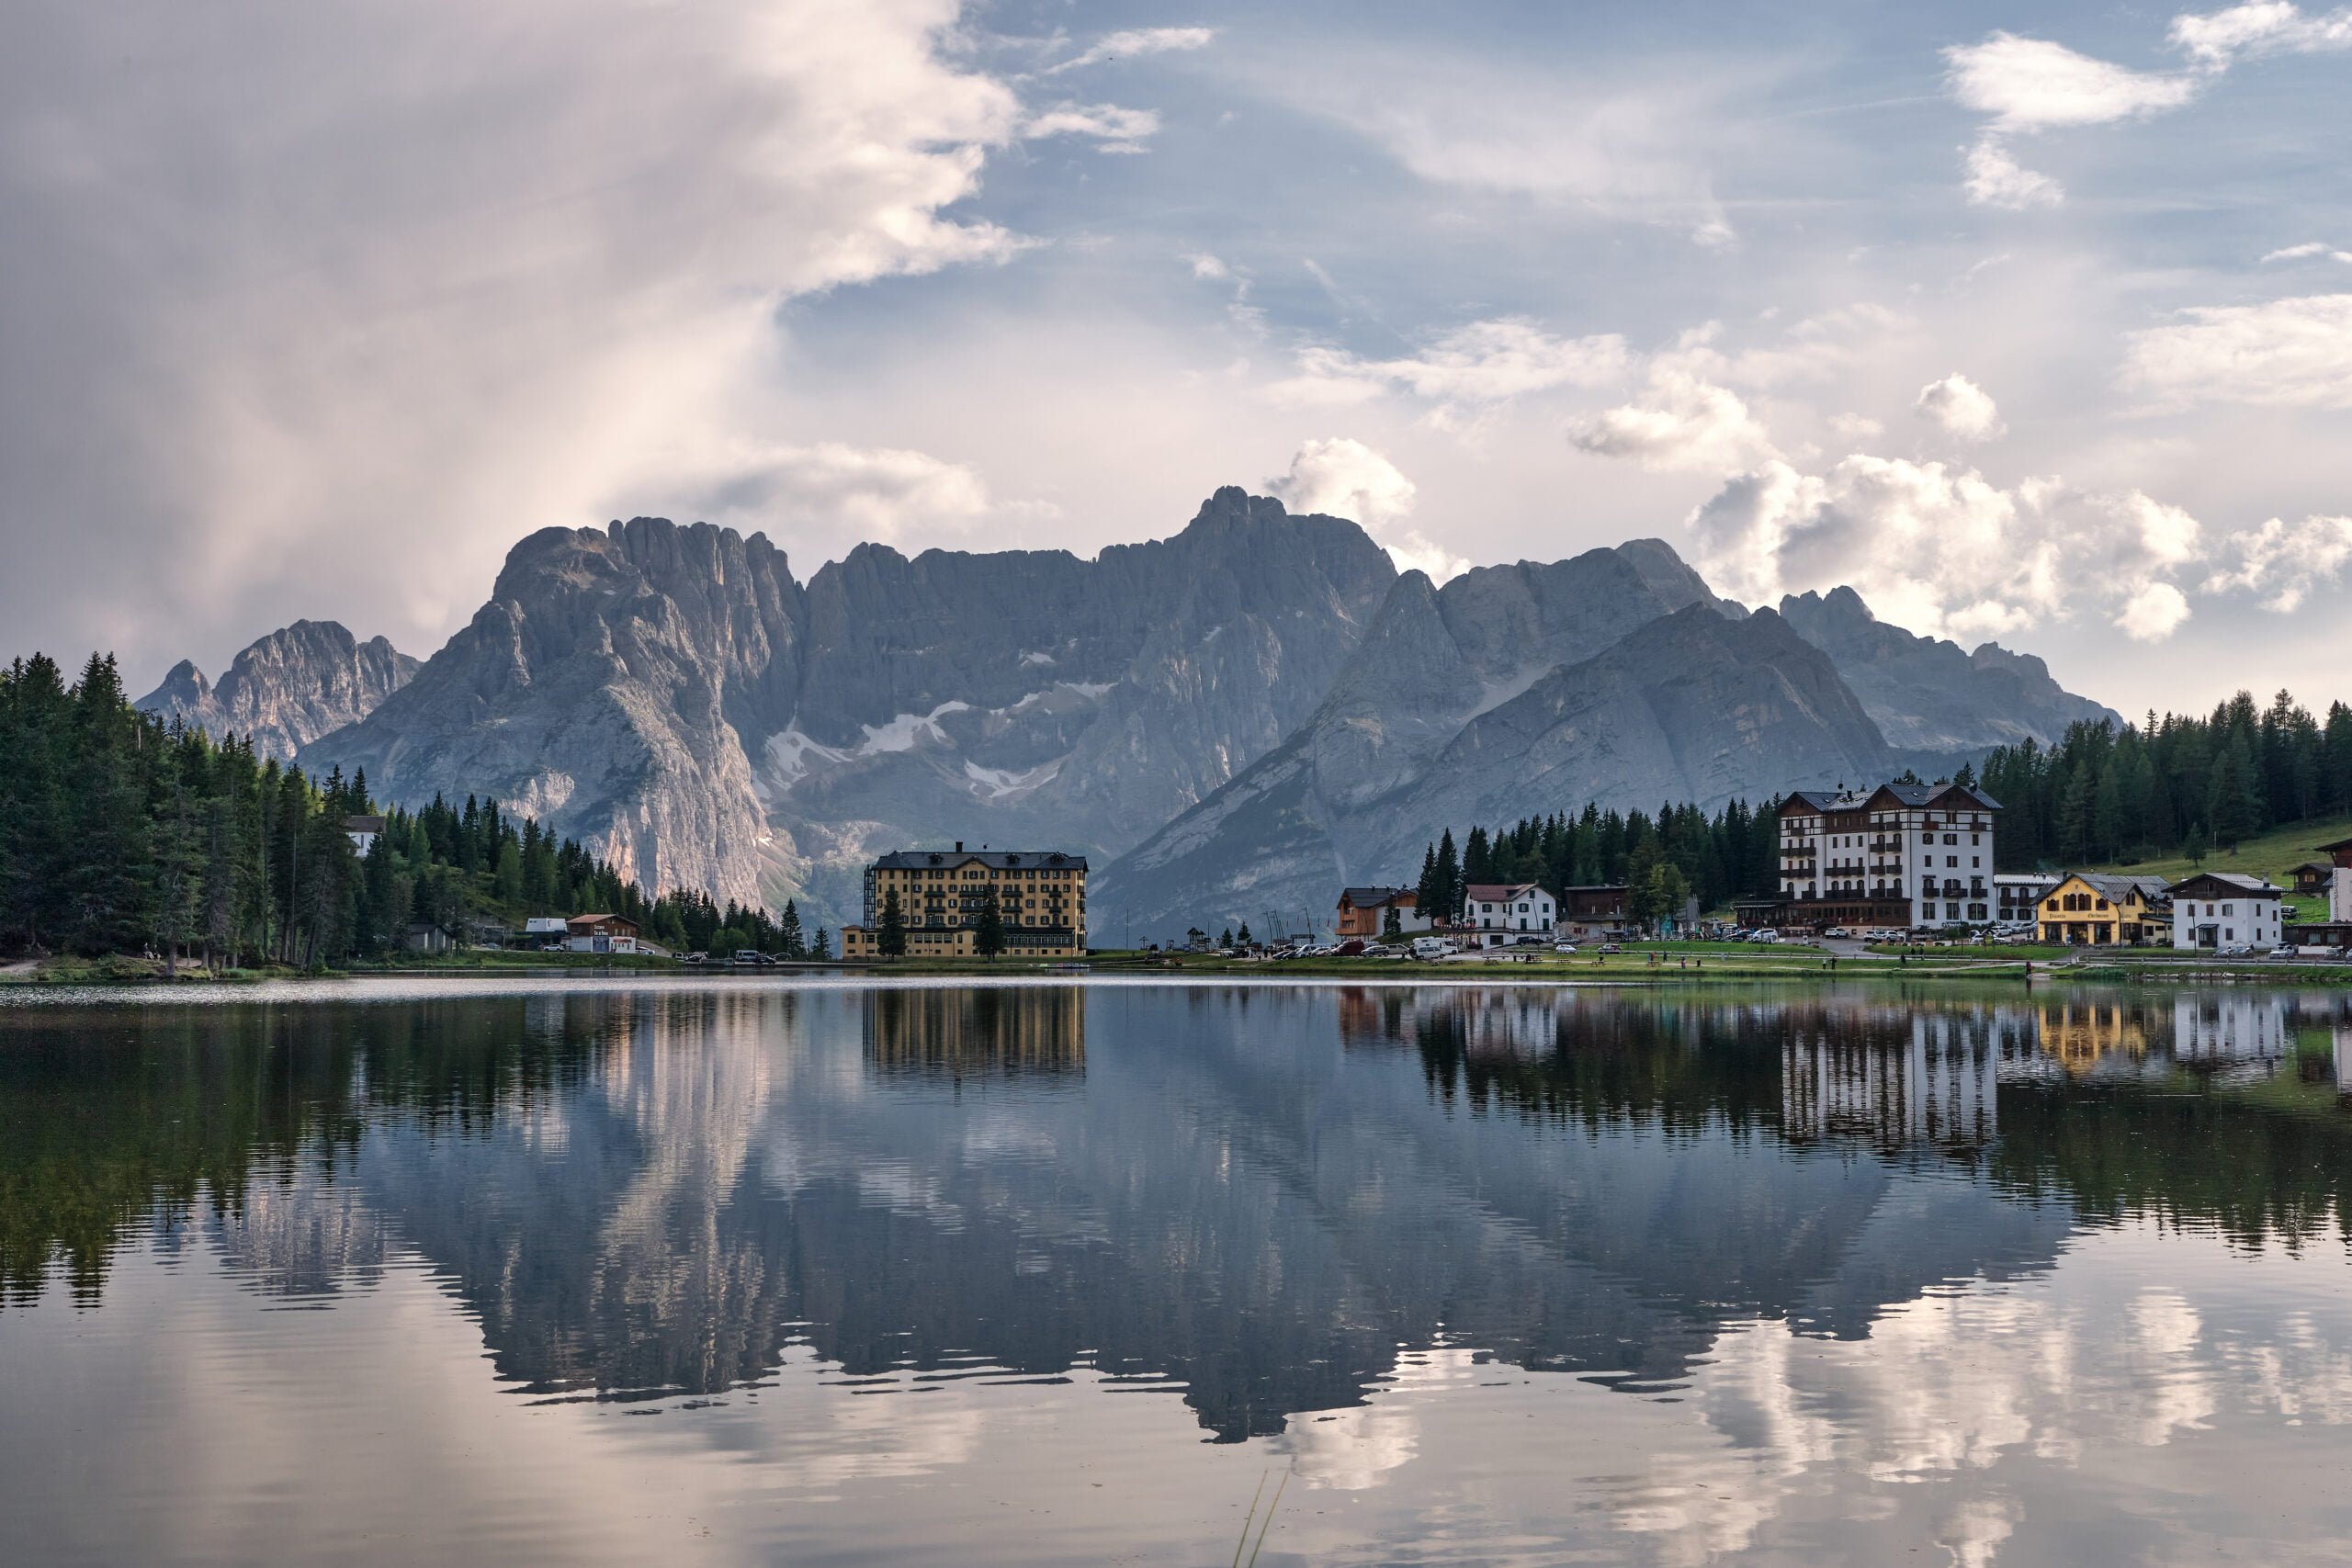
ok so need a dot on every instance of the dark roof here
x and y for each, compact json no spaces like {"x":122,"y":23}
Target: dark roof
{"x":2232,"y":881}
{"x":1497,"y":892}
{"x":996,"y":859}
{"x":2115,"y":889}
{"x":1373,"y":898}
{"x":363,"y":824}
{"x":1908,"y":794}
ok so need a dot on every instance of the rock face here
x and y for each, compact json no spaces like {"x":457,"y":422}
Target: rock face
{"x":1678,"y":702}
{"x":1928,"y":695}
{"x":674,"y":698}
{"x":288,"y":689}
{"x":1241,"y":717}
{"x":607,"y":689}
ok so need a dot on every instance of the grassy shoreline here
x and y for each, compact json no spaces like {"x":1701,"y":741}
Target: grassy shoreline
{"x":1673,"y":964}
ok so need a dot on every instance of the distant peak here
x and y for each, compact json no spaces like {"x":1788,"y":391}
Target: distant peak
{"x":1231,"y":504}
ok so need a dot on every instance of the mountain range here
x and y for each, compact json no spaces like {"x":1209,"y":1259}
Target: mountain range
{"x":1233,"y":720}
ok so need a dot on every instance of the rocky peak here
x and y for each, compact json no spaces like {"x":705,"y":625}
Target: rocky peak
{"x":1925,"y":693}
{"x":287,"y":689}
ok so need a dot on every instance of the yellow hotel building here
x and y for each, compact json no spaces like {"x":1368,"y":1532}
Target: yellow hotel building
{"x":2090,"y":910}
{"x":1040,"y":897}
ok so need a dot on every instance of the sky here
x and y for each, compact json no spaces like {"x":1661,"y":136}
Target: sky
{"x":2031,"y":323}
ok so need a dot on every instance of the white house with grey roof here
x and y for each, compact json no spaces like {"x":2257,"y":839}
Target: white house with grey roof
{"x":2227,"y":908}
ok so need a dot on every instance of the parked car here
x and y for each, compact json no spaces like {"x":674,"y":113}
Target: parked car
{"x":1426,"y":948}
{"x":1840,"y":932}
{"x":1564,"y":947}
{"x":1527,"y":941}
{"x":1610,"y":947}
{"x":1764,"y":937}
{"x":696,"y":958}
{"x":1351,"y":948}
{"x":751,"y":958}
{"x":2235,"y":950}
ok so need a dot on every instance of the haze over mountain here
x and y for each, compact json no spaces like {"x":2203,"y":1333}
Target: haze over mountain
{"x":285,"y":689}
{"x":1234,"y":719}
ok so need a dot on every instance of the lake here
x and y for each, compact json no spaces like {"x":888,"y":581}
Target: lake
{"x":820,"y":1273}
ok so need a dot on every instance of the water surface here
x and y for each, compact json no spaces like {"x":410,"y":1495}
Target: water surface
{"x":815,"y":1273}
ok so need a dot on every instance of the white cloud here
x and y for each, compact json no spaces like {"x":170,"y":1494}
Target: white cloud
{"x":2153,"y":613}
{"x":1344,"y":478}
{"x":1486,"y":362}
{"x":2286,"y":353}
{"x":2296,"y":252}
{"x":2031,"y":84}
{"x":1642,"y":151}
{"x":1138,"y":41}
{"x":2220,"y":39}
{"x":1995,"y":179}
{"x":1119,"y":130}
{"x":2028,"y":86}
{"x":1941,"y":550}
{"x":867,"y":493}
{"x":1680,"y":423}
{"x":1960,"y":407}
{"x":1820,"y":348}
{"x":2285,"y":561}
{"x":1855,"y":427}
{"x":342,"y":278}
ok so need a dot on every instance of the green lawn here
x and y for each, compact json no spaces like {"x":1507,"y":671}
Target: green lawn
{"x":2274,"y":854}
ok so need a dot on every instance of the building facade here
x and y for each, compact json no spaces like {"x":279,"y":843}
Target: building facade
{"x":1899,"y":856}
{"x":1593,"y":912}
{"x":2087,"y":910}
{"x":605,"y":933}
{"x":2339,"y":886}
{"x":1040,"y":899}
{"x":2018,"y":895}
{"x":2223,"y":909}
{"x":1498,"y":912}
{"x":1363,"y":912}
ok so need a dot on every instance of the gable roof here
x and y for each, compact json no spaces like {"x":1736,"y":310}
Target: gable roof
{"x":2230,"y":884}
{"x":2114,"y":888}
{"x":1374,"y":897}
{"x":995,"y":859}
{"x":1497,"y":892}
{"x":1905,"y":795}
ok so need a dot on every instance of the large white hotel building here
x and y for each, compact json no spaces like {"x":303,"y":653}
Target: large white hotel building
{"x":1907,"y":855}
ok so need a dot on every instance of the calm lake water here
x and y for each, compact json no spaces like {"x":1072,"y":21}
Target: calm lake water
{"x":579,"y":1273}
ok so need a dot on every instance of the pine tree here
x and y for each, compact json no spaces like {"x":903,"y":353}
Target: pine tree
{"x":1448,"y":909}
{"x":788,"y":934}
{"x":2232,"y":804}
{"x":988,"y":927}
{"x":890,"y":932}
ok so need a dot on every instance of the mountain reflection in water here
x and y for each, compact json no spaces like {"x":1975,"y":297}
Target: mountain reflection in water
{"x":650,"y":1195}
{"x":1265,"y":1201}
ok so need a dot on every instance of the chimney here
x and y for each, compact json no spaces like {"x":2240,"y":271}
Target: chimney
{"x":959,"y":846}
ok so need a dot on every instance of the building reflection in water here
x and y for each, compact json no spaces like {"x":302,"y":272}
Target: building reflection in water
{"x":1893,"y":1077}
{"x":977,"y":1033}
{"x":2091,"y":1034}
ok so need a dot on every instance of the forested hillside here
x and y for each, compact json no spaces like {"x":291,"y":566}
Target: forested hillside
{"x":119,"y":833}
{"x":1663,"y":860}
{"x":2174,"y":784}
